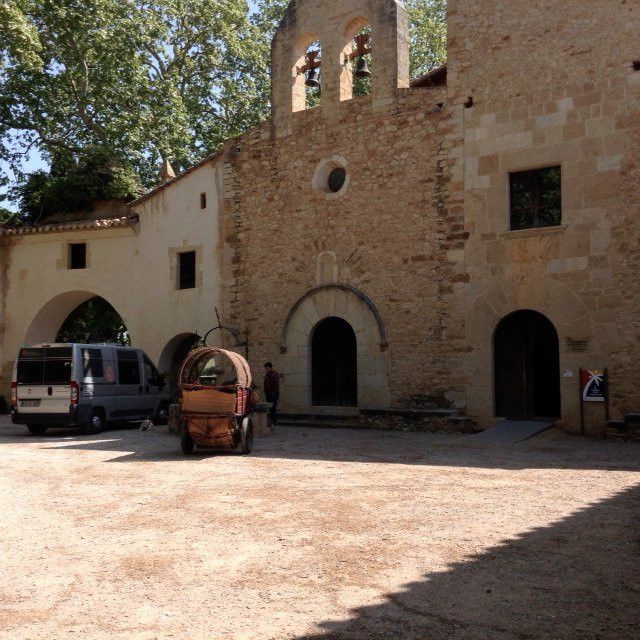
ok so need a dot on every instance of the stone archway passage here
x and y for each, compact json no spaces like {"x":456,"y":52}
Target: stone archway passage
{"x":527,"y":370}
{"x":172,"y":357}
{"x":334,"y":364}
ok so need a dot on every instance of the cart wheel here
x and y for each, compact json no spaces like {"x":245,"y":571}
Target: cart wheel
{"x":246,"y":438}
{"x":186,"y":442}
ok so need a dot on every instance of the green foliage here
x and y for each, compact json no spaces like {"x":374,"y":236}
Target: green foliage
{"x":143,"y":80}
{"x":94,"y":321}
{"x":74,"y":186}
{"x":427,"y":35}
{"x":9,"y":218}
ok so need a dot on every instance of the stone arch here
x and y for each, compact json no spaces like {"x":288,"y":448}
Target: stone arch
{"x":356,"y":308}
{"x":326,"y":293}
{"x":330,"y":21}
{"x":172,"y":356}
{"x":557,"y":302}
{"x":48,"y":320}
{"x":298,"y":56}
{"x":350,"y":29}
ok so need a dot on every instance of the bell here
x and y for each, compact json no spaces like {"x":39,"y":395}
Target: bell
{"x":362,"y":69}
{"x":313,"y":76}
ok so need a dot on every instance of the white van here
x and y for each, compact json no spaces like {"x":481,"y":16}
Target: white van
{"x":85,"y":385}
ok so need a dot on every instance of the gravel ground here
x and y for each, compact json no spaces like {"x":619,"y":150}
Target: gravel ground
{"x":318,"y":534}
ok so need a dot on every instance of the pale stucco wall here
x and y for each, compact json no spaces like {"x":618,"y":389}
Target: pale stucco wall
{"x":133,"y":268}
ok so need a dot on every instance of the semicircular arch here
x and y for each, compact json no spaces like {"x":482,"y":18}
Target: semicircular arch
{"x":372,"y":358}
{"x":47,"y":321}
{"x":557,"y":302}
{"x":332,"y":300}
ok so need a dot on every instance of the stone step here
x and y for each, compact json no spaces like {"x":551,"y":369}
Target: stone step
{"x":386,"y":419}
{"x":323,"y":422}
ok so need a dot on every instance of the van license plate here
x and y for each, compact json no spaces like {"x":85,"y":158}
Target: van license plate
{"x":29,"y":403}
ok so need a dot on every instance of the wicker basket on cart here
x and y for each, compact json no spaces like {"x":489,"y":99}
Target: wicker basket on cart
{"x":211,"y":414}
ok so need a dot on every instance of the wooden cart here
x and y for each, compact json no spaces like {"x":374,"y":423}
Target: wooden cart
{"x":211,"y":414}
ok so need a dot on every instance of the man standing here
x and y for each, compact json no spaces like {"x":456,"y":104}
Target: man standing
{"x":271,"y":390}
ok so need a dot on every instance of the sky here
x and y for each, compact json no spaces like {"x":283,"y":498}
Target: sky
{"x":34,"y":161}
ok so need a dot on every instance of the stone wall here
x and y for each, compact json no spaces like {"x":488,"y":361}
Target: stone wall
{"x":553,"y":87}
{"x":389,"y":233}
{"x":422,"y":227}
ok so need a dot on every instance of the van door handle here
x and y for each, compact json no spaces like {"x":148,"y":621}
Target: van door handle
{"x":50,"y":391}
{"x":140,"y":389}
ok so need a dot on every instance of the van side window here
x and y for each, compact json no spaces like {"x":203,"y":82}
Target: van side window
{"x":151,"y":373}
{"x":128,"y":369}
{"x":92,"y":363}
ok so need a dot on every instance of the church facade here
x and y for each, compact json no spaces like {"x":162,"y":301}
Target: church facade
{"x":470,"y":238}
{"x":484,"y":245}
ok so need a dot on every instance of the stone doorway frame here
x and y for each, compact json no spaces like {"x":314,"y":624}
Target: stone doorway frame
{"x":352,"y":305}
{"x":560,"y":305}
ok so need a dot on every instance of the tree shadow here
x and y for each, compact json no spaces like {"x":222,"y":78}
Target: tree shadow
{"x":577,"y":579}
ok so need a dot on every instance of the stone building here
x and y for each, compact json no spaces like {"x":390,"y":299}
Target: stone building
{"x":484,"y":245}
{"x":470,"y":237}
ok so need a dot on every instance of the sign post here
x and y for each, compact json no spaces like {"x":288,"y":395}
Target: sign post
{"x":594,"y":387}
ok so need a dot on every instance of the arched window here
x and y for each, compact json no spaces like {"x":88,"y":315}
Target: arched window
{"x":357,"y":59}
{"x":362,"y":62}
{"x":313,"y":75}
{"x":307,"y":73}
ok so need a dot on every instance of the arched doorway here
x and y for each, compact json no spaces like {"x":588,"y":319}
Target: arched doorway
{"x":527,"y":369}
{"x":334,"y":364}
{"x":172,"y":357}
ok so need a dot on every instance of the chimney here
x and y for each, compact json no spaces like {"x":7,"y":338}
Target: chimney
{"x":166,"y":172}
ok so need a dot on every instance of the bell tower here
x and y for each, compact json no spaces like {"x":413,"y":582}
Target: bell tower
{"x":334,"y":23}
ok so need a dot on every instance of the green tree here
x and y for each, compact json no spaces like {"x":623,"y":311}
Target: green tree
{"x":142,"y":80}
{"x":94,"y":321}
{"x":9,"y":218}
{"x":427,"y":35}
{"x":72,"y":185}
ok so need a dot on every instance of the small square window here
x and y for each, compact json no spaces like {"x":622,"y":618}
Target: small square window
{"x":78,"y":256}
{"x":203,"y":200}
{"x":187,"y":270}
{"x":535,"y":198}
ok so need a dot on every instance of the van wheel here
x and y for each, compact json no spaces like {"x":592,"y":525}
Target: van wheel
{"x":36,"y":429}
{"x":186,"y":442}
{"x":246,"y":438}
{"x":162,"y":417}
{"x":96,"y":423}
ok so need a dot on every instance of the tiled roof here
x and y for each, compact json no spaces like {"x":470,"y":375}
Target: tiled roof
{"x":106,"y":223}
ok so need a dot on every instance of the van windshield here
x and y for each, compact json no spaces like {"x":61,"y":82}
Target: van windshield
{"x":44,"y":366}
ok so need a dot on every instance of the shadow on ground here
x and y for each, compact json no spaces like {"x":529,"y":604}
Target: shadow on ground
{"x":551,"y":449}
{"x":577,"y":579}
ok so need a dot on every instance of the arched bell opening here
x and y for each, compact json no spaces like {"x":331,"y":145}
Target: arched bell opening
{"x":527,"y":367}
{"x":334,"y":364}
{"x":357,"y":59}
{"x":307,"y":74}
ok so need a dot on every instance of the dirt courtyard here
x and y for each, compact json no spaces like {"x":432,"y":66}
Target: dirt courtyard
{"x":318,"y":534}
